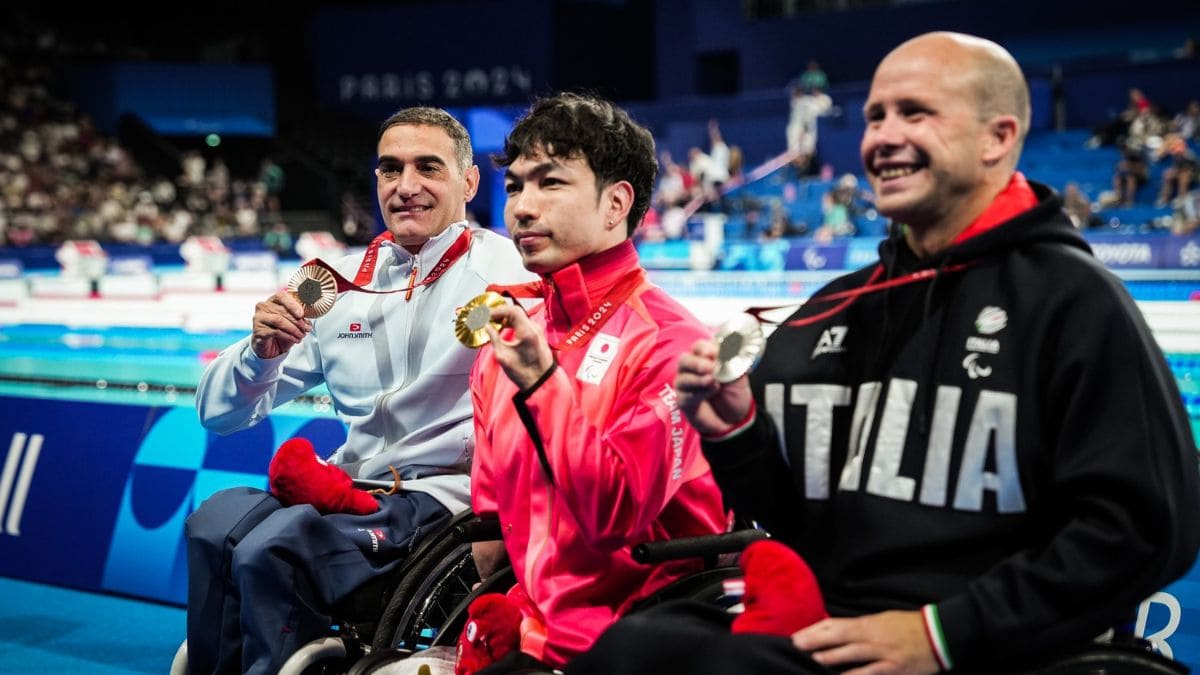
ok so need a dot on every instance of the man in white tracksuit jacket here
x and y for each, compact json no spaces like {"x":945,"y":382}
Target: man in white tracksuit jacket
{"x":262,"y":577}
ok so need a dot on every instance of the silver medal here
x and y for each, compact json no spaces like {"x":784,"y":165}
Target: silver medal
{"x":740,"y":343}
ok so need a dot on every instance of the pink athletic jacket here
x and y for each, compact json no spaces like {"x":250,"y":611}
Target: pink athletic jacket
{"x":595,"y":458}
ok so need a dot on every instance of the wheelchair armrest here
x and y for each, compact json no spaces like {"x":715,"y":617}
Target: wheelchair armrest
{"x":481,"y":529}
{"x":708,"y":545}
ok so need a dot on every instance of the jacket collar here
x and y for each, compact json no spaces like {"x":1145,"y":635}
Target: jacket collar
{"x":431,"y":251}
{"x":1045,"y":222}
{"x":575,"y":290}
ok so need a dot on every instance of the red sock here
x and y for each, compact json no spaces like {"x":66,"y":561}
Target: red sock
{"x":298,"y":476}
{"x":781,"y":595}
{"x":493,"y":629}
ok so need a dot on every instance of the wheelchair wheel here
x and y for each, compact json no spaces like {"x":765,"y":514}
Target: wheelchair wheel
{"x":385,"y":659}
{"x":179,"y":664}
{"x":499,"y":582}
{"x":423,"y":600}
{"x":321,"y":657}
{"x":1118,"y":658}
{"x":377,"y":661}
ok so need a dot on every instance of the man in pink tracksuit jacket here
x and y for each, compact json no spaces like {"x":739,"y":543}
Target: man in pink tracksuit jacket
{"x":582,"y":452}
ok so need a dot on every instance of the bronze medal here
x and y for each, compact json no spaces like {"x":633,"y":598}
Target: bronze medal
{"x":315,"y":288}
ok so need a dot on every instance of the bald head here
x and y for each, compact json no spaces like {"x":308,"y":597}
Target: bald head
{"x":986,"y":69}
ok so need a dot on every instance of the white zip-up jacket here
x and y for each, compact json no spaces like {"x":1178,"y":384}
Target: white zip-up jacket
{"x":397,"y":375}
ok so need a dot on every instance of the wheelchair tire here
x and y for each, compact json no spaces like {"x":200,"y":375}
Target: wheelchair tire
{"x":499,"y":582}
{"x":327,"y":654}
{"x":377,"y":660}
{"x":422,"y":601}
{"x":179,"y":664}
{"x":1110,"y":659}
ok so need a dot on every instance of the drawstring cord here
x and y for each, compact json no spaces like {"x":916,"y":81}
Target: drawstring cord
{"x":931,"y":396}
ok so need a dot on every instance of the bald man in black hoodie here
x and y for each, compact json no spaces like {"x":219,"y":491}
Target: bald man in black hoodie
{"x":975,"y":443}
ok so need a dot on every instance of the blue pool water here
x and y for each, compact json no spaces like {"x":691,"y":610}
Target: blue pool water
{"x":116,"y":365}
{"x":1186,"y":368}
{"x":157,"y":366}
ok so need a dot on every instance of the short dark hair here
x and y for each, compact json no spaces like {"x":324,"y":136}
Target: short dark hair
{"x":582,"y":126}
{"x":435,"y":117}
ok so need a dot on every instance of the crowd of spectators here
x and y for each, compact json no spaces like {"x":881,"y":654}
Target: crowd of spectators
{"x":63,"y":179}
{"x":709,"y":181}
{"x":1157,"y":172}
{"x":1157,"y":150}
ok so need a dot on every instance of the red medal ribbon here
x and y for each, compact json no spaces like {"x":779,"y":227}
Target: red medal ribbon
{"x":1016,"y":198}
{"x":581,"y":333}
{"x":852,"y":294}
{"x":366,"y":271}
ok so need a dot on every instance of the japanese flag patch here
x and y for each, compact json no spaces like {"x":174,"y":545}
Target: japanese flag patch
{"x":600,"y":354}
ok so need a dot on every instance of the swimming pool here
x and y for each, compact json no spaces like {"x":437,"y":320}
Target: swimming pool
{"x":106,"y":458}
{"x":140,"y":365}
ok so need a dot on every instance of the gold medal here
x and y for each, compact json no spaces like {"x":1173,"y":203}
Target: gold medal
{"x":315,"y":288}
{"x":470,"y":324}
{"x":740,"y":343}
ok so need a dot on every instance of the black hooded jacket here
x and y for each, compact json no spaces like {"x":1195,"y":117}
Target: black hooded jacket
{"x":999,"y":436}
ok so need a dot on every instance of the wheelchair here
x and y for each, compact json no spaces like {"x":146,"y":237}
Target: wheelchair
{"x":1117,"y":653}
{"x":404,"y":609}
{"x":718,"y":551}
{"x":423,"y":605}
